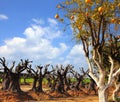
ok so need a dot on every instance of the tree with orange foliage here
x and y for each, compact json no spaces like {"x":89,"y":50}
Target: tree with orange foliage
{"x":98,"y":32}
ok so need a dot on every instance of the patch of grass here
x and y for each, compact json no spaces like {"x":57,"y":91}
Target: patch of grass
{"x":0,"y":80}
{"x":86,"y":81}
{"x":73,"y":80}
{"x":28,"y":80}
{"x":45,"y":81}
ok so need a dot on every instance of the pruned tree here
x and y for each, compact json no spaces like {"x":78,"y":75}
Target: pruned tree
{"x":34,"y":74}
{"x":60,"y":80}
{"x":53,"y":82}
{"x":59,"y":76}
{"x":42,"y":74}
{"x":69,"y":84}
{"x":38,"y":76}
{"x":67,"y":70}
{"x":79,"y":78}
{"x":96,"y":24}
{"x":52,"y":79}
{"x":11,"y":76}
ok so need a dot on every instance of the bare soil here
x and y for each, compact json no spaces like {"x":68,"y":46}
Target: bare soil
{"x":28,"y":96}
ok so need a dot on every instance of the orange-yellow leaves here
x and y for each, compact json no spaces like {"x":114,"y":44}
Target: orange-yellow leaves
{"x":80,"y":27}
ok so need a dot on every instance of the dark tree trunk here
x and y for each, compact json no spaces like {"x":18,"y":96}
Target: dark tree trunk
{"x":79,"y":81}
{"x":92,"y":86}
{"x":68,"y":83}
{"x":5,"y":82}
{"x":39,"y":88}
{"x":14,"y":85}
{"x":49,"y":83}
{"x":34,"y":84}
{"x":40,"y":79}
{"x":53,"y":86}
{"x":11,"y":82}
{"x":77,"y":87}
{"x":60,"y":85}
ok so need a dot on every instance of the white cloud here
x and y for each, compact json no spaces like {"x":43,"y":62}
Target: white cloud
{"x":39,"y":46}
{"x":52,"y":22}
{"x":77,"y":50}
{"x":76,"y":56}
{"x":48,"y":32}
{"x":38,"y":21}
{"x":36,"y":45}
{"x":3,"y":17}
{"x":33,"y":32}
{"x":16,"y":41}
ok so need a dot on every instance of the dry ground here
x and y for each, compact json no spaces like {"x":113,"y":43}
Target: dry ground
{"x":27,"y":96}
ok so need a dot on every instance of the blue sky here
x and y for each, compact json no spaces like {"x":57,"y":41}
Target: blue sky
{"x":28,"y":29}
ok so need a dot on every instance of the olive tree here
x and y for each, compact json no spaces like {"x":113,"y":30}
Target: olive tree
{"x":11,"y":76}
{"x":95,"y":23}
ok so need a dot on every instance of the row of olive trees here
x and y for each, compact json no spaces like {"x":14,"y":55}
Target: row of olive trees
{"x":59,"y":77}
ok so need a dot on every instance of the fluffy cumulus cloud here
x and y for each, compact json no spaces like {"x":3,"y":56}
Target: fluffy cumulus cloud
{"x":76,"y":56}
{"x":3,"y":17}
{"x":38,"y":45}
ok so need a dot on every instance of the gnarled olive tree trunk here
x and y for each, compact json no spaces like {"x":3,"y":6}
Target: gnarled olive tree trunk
{"x":11,"y":79}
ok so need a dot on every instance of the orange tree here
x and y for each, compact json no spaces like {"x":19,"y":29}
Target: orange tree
{"x":96,"y":24}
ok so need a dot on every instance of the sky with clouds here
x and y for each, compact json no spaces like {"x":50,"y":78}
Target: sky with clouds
{"x":28,"y":30}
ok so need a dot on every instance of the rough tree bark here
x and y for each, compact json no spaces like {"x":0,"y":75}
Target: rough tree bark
{"x":11,"y":78}
{"x":62,"y":77}
{"x":42,"y":75}
{"x":38,"y":76}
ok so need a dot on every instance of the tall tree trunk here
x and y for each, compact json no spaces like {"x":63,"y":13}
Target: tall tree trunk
{"x":103,"y":97}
